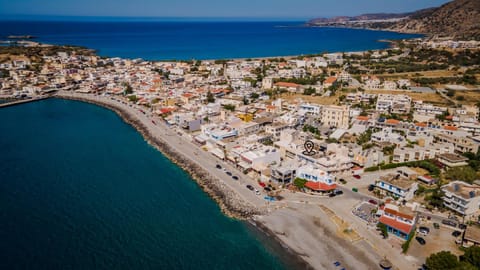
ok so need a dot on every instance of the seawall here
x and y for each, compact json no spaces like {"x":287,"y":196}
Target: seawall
{"x":230,"y":203}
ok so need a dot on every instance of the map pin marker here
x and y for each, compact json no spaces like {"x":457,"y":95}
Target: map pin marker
{"x":309,"y":145}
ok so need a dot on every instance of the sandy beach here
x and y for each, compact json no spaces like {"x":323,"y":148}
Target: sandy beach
{"x":303,"y":229}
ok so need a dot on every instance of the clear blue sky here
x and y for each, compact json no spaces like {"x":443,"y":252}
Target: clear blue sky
{"x":210,"y":8}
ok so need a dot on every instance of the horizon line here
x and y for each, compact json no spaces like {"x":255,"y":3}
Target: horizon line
{"x":26,"y":17}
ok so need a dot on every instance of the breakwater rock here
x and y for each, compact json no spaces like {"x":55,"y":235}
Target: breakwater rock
{"x":231,"y":204}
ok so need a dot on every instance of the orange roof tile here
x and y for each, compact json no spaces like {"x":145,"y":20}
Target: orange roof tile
{"x":406,"y":228}
{"x":452,"y":128}
{"x":422,"y":124}
{"x":392,"y":121}
{"x":362,"y":118}
{"x":330,"y":80}
{"x":319,"y":186}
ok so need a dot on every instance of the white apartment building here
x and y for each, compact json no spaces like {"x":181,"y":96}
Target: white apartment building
{"x":462,"y":198}
{"x":399,"y":104}
{"x":430,"y":151}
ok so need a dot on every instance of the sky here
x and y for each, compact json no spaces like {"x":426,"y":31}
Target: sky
{"x":301,"y":9}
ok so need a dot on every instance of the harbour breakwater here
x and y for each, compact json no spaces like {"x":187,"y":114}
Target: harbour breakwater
{"x":227,"y":199}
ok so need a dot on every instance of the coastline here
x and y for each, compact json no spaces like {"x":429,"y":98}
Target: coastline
{"x":225,"y":198}
{"x":230,"y":204}
{"x":302,"y":235}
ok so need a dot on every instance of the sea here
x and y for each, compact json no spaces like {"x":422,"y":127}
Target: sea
{"x":81,"y":189}
{"x":186,"y":40}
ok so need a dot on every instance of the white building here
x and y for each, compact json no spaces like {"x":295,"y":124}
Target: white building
{"x":462,"y":198}
{"x":335,"y":116}
{"x":317,"y":179}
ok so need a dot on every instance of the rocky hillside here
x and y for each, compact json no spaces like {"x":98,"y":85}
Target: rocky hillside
{"x":459,"y":19}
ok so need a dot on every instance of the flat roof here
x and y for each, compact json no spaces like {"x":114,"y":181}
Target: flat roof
{"x":452,"y":157}
{"x":397,"y":180}
{"x":472,"y":233}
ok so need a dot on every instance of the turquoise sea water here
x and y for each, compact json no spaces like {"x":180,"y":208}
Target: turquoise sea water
{"x":80,"y":189}
{"x":160,"y":40}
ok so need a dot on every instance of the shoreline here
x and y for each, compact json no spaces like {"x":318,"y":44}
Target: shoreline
{"x":229,"y":204}
{"x":295,"y":235}
{"x":225,"y":199}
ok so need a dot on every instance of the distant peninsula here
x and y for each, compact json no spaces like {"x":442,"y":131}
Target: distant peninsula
{"x":457,"y":19}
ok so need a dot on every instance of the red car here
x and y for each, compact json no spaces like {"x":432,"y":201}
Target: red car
{"x":357,"y":176}
{"x":373,"y":202}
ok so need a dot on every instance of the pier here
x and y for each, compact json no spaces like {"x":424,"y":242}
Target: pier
{"x":22,"y":101}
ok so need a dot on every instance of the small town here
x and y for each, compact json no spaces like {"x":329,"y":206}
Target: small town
{"x":382,"y":144}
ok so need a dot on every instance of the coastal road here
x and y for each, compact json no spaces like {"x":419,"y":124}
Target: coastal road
{"x":183,"y":146}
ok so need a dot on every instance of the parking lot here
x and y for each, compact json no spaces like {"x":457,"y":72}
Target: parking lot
{"x":437,"y":240}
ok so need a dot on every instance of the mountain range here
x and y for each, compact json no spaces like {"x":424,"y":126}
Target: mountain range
{"x":459,"y":19}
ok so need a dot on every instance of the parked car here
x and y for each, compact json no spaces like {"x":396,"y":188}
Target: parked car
{"x":235,"y":177}
{"x":331,"y":195}
{"x":449,"y":222}
{"x":356,"y":176}
{"x":257,"y":192}
{"x":436,"y":225}
{"x":250,"y":187}
{"x":456,"y":233}
{"x":267,"y":189}
{"x":218,"y":166}
{"x":462,"y":226}
{"x":342,"y":181}
{"x":424,"y":230}
{"x":338,"y":192}
{"x":371,"y":187}
{"x":229,"y":173}
{"x":372,"y":201}
{"x":420,"y":240}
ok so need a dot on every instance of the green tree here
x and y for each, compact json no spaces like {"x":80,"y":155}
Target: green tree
{"x":254,"y":95}
{"x":464,"y":173}
{"x":245,"y":100}
{"x":128,"y":89}
{"x":229,"y":107}
{"x":364,"y":137}
{"x":383,"y":229}
{"x":210,"y":97}
{"x":443,"y":260}
{"x":472,"y":256}
{"x":299,"y":182}
{"x":309,"y":91}
{"x":133,"y":98}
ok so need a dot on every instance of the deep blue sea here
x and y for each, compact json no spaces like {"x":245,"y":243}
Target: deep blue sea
{"x":81,"y":189}
{"x":160,"y":40}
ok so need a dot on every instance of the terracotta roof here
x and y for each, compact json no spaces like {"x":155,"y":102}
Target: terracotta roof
{"x":403,"y":227}
{"x":452,"y":128}
{"x":187,"y":95}
{"x":399,"y":214}
{"x":319,"y":186}
{"x":392,"y":121}
{"x":286,"y":84}
{"x":166,"y":110}
{"x":362,"y":118}
{"x":270,"y":107}
{"x":330,"y":80}
{"x":422,"y":124}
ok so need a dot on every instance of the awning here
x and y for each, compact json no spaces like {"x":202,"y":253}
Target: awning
{"x":218,"y":153}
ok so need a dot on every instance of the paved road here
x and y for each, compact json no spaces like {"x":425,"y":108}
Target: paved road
{"x":185,"y":147}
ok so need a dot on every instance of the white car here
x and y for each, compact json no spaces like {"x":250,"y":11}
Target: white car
{"x":257,"y":192}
